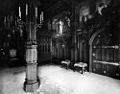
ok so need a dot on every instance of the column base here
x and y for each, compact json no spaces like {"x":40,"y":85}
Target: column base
{"x":31,"y":86}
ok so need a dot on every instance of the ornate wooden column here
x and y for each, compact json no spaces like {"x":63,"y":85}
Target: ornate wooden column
{"x":31,"y":82}
{"x":74,"y":50}
{"x":81,"y":51}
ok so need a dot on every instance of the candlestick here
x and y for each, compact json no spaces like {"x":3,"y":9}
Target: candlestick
{"x":11,"y":18}
{"x":42,"y":15}
{"x":36,"y":12}
{"x":19,"y":12}
{"x":40,"y":19}
{"x":5,"y":20}
{"x":26,"y":9}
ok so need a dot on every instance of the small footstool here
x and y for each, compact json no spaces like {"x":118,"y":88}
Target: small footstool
{"x":65,"y":63}
{"x":80,"y":67}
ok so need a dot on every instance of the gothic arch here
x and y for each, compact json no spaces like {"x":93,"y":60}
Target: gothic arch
{"x":90,"y":48}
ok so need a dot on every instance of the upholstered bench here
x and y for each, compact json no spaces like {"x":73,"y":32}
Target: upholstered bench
{"x":65,"y":63}
{"x":80,"y":67}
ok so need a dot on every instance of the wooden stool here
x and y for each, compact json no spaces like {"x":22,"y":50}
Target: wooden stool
{"x":65,"y":63}
{"x":80,"y":67}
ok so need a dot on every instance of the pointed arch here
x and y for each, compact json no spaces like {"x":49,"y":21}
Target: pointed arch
{"x":90,"y":48}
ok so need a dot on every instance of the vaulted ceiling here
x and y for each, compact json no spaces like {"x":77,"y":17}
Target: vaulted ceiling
{"x":50,"y":6}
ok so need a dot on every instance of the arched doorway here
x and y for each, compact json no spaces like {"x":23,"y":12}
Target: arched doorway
{"x":90,"y":49}
{"x":104,"y":54}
